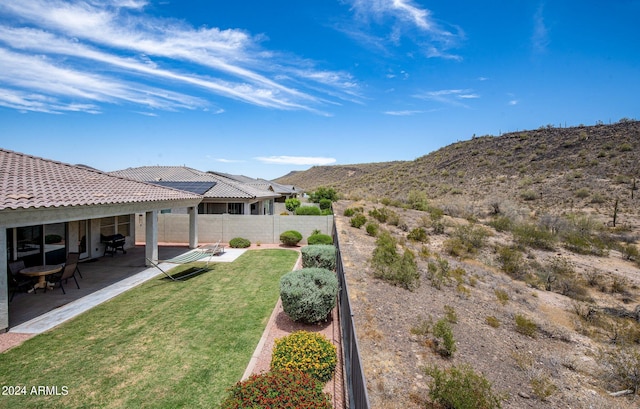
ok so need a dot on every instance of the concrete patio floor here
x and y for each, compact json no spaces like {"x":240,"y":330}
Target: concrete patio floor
{"x":102,"y":279}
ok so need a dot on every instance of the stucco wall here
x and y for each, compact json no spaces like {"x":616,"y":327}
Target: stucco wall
{"x":173,"y":228}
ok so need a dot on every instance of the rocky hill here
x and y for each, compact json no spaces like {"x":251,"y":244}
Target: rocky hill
{"x":547,"y":169}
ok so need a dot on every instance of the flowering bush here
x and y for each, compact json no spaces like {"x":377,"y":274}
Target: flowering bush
{"x":309,"y":352}
{"x":277,"y":390}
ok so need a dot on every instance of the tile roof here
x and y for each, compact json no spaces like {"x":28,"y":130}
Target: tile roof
{"x":225,"y":187}
{"x":32,"y":182}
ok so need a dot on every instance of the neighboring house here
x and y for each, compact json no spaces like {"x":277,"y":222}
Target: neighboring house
{"x":222,"y":193}
{"x":285,"y":191}
{"x":49,"y":209}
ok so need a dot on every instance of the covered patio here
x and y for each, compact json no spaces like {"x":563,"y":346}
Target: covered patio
{"x":110,"y":274}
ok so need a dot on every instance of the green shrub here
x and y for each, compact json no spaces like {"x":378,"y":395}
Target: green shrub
{"x":239,"y":243}
{"x":511,"y":262}
{"x":526,"y":326}
{"x":493,"y":321}
{"x":323,"y":193}
{"x":442,"y":330}
{"x":308,"y":211}
{"x":528,"y":234}
{"x":292,"y":204}
{"x":389,"y":266}
{"x":380,"y":215}
{"x":501,"y":223}
{"x":320,"y":239}
{"x":325,"y":204}
{"x":326,"y":212}
{"x":459,"y":387}
{"x":308,"y":352}
{"x":466,"y":239}
{"x":278,"y":389}
{"x":418,"y":234}
{"x":372,"y":229}
{"x":290,"y":237}
{"x":358,"y":220}
{"x":308,"y":295}
{"x":350,"y":211}
{"x":319,"y":255}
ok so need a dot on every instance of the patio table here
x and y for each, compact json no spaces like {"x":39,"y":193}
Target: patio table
{"x":41,"y":272}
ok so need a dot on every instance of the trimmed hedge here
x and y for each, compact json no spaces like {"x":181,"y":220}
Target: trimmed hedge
{"x":319,"y":239}
{"x":319,"y":255}
{"x":290,"y":237}
{"x":239,"y":243}
{"x":308,"y":295}
{"x":308,"y":211}
{"x":309,"y":352}
{"x":278,"y":389}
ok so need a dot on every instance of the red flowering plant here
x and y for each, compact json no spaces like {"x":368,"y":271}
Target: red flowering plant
{"x":279,"y":389}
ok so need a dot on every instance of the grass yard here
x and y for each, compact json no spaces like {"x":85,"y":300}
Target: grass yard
{"x":163,"y":344}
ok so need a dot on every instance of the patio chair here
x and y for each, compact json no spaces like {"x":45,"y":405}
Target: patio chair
{"x":67,"y":272}
{"x":72,"y":258}
{"x":16,"y":280}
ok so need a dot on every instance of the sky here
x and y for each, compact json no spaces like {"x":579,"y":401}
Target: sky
{"x":262,"y":88}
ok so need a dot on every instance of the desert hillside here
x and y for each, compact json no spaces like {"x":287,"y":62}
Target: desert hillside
{"x":515,"y":257}
{"x":547,"y":169}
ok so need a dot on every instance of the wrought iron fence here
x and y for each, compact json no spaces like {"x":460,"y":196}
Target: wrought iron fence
{"x":356,"y":385}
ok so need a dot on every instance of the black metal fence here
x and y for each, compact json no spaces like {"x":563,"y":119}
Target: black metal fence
{"x":356,"y":385}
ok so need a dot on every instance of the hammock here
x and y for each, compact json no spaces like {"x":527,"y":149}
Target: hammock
{"x":189,"y":257}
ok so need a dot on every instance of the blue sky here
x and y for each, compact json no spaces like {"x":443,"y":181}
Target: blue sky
{"x":261,"y":88}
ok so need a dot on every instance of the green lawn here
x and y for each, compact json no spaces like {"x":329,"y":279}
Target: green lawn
{"x":163,"y":344}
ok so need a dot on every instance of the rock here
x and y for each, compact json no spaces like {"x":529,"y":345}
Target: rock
{"x":524,"y":395}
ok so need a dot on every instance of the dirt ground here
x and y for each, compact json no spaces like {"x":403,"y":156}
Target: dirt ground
{"x":560,"y":354}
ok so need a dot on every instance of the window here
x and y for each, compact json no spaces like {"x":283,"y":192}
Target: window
{"x":115,"y":225}
{"x":235,"y":208}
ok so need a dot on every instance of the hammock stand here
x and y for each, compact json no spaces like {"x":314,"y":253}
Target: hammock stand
{"x":189,"y":257}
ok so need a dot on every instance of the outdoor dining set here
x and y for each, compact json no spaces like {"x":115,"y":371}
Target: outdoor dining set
{"x":30,"y":279}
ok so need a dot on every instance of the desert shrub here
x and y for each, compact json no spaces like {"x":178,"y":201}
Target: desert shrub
{"x":292,"y":204}
{"x":278,"y":389}
{"x":239,"y":243}
{"x":580,"y":237}
{"x":511,"y":261}
{"x":630,"y":252}
{"x":438,"y":272}
{"x":493,"y":321}
{"x":417,"y":200}
{"x":622,"y":365}
{"x":350,"y":211}
{"x":582,"y":193}
{"x":319,"y":239}
{"x":381,"y":215}
{"x":358,"y":220}
{"x":501,"y":223}
{"x":542,"y":386}
{"x":465,"y":239}
{"x":450,"y":314}
{"x":389,"y":266}
{"x":372,"y":229}
{"x":502,"y":296}
{"x":290,"y":237}
{"x":526,"y":326}
{"x":308,"y":295}
{"x":446,"y":343}
{"x":319,"y":255}
{"x":528,"y":234}
{"x":309,"y":352}
{"x":528,"y":195}
{"x":418,"y":234}
{"x":308,"y":211}
{"x":460,"y":387}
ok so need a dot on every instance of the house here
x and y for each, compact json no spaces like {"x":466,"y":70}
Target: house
{"x":285,"y":191}
{"x":49,"y":209}
{"x":222,"y":193}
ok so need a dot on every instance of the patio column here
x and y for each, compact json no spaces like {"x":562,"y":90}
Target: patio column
{"x":4,"y":285}
{"x":151,"y":234}
{"x":193,"y":227}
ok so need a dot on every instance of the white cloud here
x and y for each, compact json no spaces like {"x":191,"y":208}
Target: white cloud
{"x":137,"y":53}
{"x":223,"y":160}
{"x":296,"y":160}
{"x":540,"y":37}
{"x":513,"y":102}
{"x":403,"y":113}
{"x":448,"y":96}
{"x":403,"y":19}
